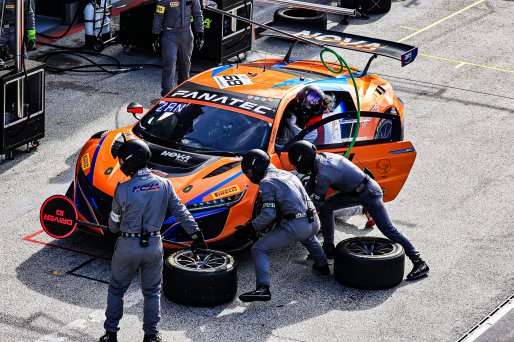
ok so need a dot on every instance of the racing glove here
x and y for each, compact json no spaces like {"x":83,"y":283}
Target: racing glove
{"x":198,"y":242}
{"x":249,"y":230}
{"x":156,"y":42}
{"x":31,"y":42}
{"x":199,"y":40}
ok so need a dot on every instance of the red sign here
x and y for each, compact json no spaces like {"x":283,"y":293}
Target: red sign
{"x":58,"y":216}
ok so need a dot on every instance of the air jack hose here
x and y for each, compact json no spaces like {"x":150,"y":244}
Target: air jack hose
{"x":341,"y":62}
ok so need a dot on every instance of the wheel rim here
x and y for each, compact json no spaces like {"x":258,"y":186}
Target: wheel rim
{"x":201,"y":262}
{"x":370,"y":247}
{"x":384,"y":131}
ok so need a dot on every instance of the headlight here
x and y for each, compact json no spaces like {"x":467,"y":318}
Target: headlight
{"x":224,"y":202}
{"x":116,"y":144}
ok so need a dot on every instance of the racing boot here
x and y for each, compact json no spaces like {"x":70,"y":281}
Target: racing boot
{"x":261,"y":294}
{"x":109,"y":337}
{"x":419,"y":270}
{"x":329,"y":250}
{"x":153,"y":338}
{"x":323,"y":271}
{"x":371,"y":222}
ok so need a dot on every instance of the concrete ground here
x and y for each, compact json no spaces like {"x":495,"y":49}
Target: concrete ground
{"x":456,"y":205}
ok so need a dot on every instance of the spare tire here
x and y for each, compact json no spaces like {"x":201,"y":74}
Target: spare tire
{"x":205,"y":280}
{"x":300,"y":16}
{"x":369,"y":263}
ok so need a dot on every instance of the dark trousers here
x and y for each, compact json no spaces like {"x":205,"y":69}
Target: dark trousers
{"x":371,"y":200}
{"x":177,"y":47}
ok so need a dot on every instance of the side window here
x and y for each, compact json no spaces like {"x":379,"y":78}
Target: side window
{"x":338,"y":130}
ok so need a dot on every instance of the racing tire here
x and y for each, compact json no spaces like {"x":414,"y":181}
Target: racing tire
{"x":300,"y":16}
{"x":369,"y":263}
{"x":369,"y":6}
{"x":188,"y":282}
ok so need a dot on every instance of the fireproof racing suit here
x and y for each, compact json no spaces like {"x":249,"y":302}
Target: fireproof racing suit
{"x":8,"y":24}
{"x":173,"y":19}
{"x":354,"y":187}
{"x":285,"y":202}
{"x":141,"y":203}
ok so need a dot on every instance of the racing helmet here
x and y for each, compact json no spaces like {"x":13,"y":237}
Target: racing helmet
{"x":133,"y":155}
{"x":302,"y":155}
{"x":310,"y":101}
{"x":254,"y":165}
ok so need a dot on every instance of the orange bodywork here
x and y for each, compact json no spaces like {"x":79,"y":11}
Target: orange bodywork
{"x":272,"y":81}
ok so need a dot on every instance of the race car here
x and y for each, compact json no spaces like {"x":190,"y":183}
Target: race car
{"x":199,"y":131}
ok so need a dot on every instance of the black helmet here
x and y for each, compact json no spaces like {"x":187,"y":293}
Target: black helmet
{"x":254,"y":165}
{"x":133,"y":155}
{"x":310,"y":101}
{"x":302,"y":155}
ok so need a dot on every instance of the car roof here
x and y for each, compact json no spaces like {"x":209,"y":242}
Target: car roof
{"x":271,"y":78}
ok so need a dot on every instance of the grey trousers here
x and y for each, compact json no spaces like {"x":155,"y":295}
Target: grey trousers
{"x":176,"y":47}
{"x":286,"y":232}
{"x":371,"y":199}
{"x":129,"y":257}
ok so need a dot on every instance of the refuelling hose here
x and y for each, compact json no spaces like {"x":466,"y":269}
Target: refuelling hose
{"x":342,"y":62}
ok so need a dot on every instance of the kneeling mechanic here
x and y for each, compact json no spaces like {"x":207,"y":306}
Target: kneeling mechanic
{"x":284,"y":201}
{"x":138,"y":210}
{"x":329,"y":170}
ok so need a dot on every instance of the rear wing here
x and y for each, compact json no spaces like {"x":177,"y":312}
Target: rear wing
{"x":403,"y":52}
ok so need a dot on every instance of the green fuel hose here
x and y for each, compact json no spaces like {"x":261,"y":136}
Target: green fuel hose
{"x":341,"y":63}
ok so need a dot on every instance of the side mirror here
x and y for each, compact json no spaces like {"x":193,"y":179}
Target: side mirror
{"x":135,"y":108}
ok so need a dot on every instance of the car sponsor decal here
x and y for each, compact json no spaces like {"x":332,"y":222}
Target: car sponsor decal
{"x":85,"y":162}
{"x":200,"y":197}
{"x":226,"y":192}
{"x":227,"y":81}
{"x":403,"y":52}
{"x":260,"y":105}
{"x":383,"y":166}
{"x":176,"y":155}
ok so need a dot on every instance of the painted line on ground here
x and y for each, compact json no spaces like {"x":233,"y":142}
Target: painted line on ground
{"x":409,"y":28}
{"x":467,"y":63}
{"x":30,"y":238}
{"x":441,"y":21}
{"x":489,"y":321}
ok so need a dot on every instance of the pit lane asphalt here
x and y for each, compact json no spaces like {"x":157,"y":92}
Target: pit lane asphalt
{"x":456,"y":205}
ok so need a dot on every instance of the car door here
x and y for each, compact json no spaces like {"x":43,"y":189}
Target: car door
{"x":379,"y":146}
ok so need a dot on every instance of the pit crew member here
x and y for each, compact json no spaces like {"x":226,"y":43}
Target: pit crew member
{"x":354,"y":187}
{"x":139,"y":207}
{"x":285,"y":202}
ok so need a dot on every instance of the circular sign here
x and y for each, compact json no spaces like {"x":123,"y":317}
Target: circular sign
{"x":383,"y":166}
{"x":58,"y":216}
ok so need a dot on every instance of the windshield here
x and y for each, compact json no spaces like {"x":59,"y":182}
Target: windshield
{"x":200,"y":127}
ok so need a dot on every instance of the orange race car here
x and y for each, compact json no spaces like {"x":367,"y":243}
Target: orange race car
{"x":199,"y":131}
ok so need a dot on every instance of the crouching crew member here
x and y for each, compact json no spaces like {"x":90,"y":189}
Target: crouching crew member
{"x":354,"y":187}
{"x":138,"y":210}
{"x":285,"y":202}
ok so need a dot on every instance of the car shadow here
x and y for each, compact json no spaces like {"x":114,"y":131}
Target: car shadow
{"x":76,"y":271}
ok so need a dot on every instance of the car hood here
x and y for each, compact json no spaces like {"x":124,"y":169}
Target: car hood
{"x":195,"y":177}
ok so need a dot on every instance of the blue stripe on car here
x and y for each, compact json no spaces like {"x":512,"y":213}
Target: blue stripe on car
{"x":92,"y":171}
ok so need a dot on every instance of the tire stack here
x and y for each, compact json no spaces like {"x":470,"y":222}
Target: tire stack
{"x":303,"y":17}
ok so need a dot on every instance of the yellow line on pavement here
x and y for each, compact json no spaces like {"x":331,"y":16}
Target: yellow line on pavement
{"x":440,"y":21}
{"x":409,"y":28}
{"x":461,"y":63}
